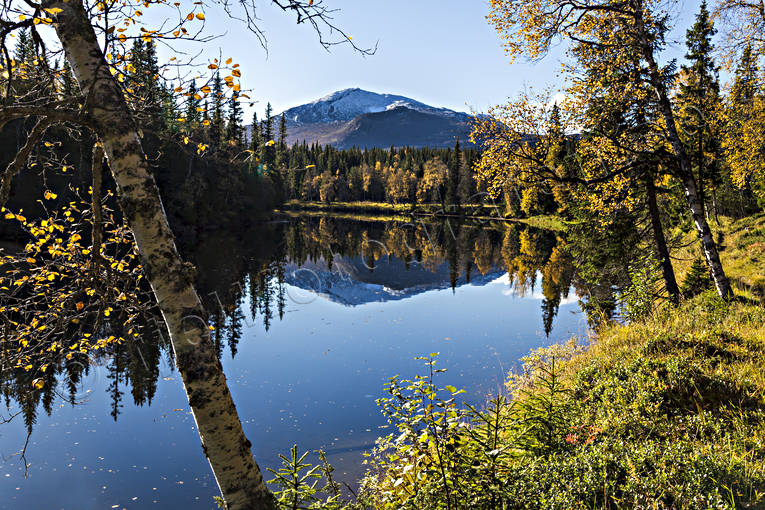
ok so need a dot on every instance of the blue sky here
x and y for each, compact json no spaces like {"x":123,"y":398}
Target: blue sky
{"x":443,"y":53}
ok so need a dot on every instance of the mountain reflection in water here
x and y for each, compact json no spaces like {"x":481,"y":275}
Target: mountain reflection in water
{"x":311,"y":316}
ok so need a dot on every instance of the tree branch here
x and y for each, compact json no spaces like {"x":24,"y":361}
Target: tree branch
{"x":15,"y":166}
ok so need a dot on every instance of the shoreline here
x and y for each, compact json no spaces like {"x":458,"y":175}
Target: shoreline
{"x":404,"y":212}
{"x":665,"y":411}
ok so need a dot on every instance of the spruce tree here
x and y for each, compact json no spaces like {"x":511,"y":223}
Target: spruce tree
{"x":144,"y":81}
{"x":206,"y":121}
{"x":234,"y":127}
{"x":255,"y":140}
{"x":281,"y":146}
{"x":24,"y":51}
{"x":746,"y":83}
{"x":69,"y":85}
{"x":137,"y":59}
{"x":170,"y":109}
{"x":216,"y":117}
{"x":452,"y":182}
{"x":744,"y":140}
{"x":269,"y":151}
{"x":192,"y":105}
{"x":466,"y":187}
{"x":699,"y":101}
{"x":151,"y":79}
{"x":697,"y":280}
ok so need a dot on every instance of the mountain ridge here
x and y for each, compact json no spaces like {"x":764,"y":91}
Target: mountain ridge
{"x":356,"y":117}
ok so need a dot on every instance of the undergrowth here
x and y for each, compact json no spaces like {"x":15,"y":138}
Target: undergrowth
{"x":667,"y":411}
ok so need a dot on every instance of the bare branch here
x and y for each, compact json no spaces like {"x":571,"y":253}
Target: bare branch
{"x":15,"y":166}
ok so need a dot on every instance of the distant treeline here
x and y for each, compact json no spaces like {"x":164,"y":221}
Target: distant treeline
{"x":396,"y":175}
{"x":212,"y":170}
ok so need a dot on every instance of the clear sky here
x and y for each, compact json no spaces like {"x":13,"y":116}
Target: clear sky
{"x":443,"y":53}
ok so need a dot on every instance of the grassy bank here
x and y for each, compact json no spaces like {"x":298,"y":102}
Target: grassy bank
{"x":384,"y":209}
{"x":743,"y":253}
{"x":666,"y":412}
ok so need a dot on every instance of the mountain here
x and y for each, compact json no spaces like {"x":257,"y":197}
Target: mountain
{"x":355,"y":117}
{"x":350,"y":282}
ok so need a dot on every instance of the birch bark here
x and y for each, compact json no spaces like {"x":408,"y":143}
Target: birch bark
{"x":708,"y":244}
{"x":223,"y":441}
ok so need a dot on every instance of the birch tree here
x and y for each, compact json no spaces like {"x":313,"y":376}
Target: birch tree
{"x":602,"y":36}
{"x":92,"y":36}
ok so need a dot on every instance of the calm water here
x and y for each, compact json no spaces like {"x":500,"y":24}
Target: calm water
{"x":312,"y":316}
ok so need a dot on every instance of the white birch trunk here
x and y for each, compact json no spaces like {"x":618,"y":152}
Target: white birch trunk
{"x":223,"y":441}
{"x":708,"y":244}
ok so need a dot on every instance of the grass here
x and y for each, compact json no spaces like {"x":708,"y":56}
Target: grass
{"x":349,"y":207}
{"x":352,"y":216}
{"x":665,"y":412}
{"x":550,"y":222}
{"x":742,"y":252}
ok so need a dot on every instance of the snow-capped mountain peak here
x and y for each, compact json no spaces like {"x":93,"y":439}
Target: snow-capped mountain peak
{"x":360,"y":118}
{"x":345,"y":105}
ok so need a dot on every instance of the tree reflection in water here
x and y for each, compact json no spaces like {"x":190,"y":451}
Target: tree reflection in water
{"x":243,"y":278}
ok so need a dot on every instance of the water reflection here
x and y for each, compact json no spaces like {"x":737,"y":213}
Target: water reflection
{"x":243,"y":280}
{"x":302,"y":300}
{"x":354,"y":262}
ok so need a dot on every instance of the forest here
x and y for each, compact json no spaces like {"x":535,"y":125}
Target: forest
{"x":147,"y":230}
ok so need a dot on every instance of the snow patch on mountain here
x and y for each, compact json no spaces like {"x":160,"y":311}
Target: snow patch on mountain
{"x":346,"y":105}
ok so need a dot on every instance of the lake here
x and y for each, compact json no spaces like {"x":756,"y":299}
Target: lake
{"x":312,"y":315}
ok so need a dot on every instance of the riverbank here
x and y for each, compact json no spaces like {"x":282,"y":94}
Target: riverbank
{"x":666,"y":412}
{"x":475,"y":212}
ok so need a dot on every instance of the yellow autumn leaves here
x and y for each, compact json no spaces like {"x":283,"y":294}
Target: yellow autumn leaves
{"x":47,"y":293}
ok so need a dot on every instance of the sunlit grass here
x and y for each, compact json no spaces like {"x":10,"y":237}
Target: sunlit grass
{"x":665,"y":412}
{"x":742,"y":251}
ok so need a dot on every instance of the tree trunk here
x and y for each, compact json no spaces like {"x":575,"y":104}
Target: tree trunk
{"x":96,"y":169}
{"x":223,"y":441}
{"x":702,"y":194}
{"x":660,"y":241}
{"x":691,"y":193}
